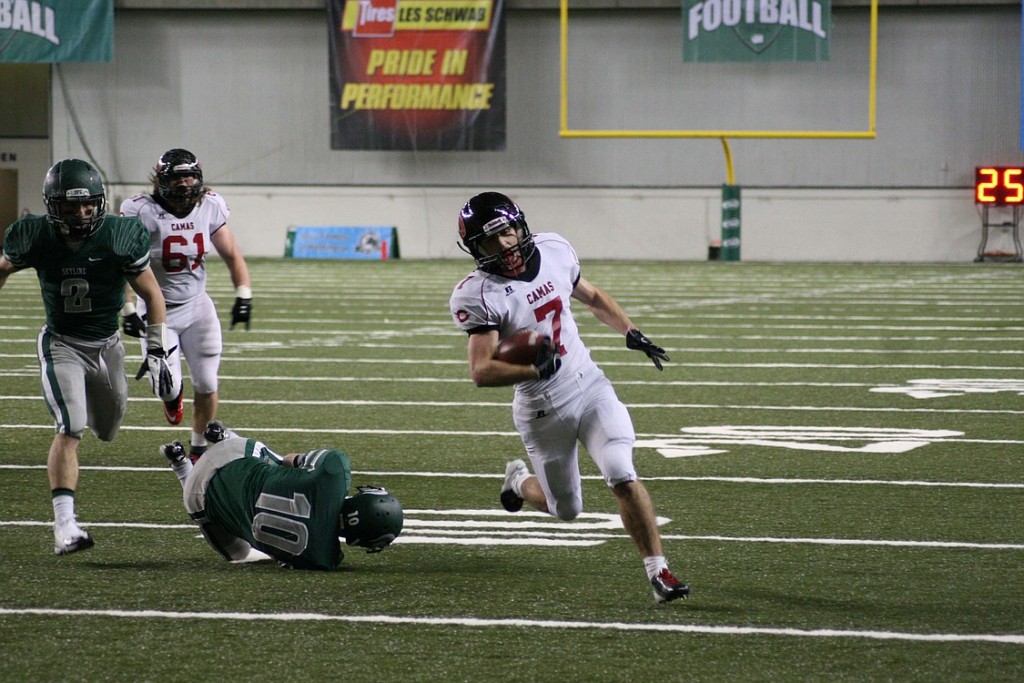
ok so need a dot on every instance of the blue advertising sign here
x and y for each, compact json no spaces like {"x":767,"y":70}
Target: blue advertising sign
{"x":342,"y":242}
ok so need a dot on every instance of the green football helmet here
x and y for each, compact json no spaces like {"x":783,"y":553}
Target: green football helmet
{"x":371,"y":519}
{"x":74,"y":181}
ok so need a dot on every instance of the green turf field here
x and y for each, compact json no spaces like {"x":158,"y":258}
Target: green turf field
{"x":836,"y":452}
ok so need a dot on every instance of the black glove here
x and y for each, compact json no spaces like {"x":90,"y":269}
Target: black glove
{"x":217,"y":432}
{"x":155,"y":363}
{"x":636,"y":341}
{"x":241,"y":312}
{"x":547,"y":361}
{"x":133,"y":325}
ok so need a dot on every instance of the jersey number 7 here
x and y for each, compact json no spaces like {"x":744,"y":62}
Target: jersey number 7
{"x":552,"y":308}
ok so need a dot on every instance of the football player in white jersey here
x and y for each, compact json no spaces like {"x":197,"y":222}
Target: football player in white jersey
{"x":184,"y":219}
{"x":526,"y":280}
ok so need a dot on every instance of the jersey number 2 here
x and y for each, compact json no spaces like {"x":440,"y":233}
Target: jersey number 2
{"x":76,"y":295}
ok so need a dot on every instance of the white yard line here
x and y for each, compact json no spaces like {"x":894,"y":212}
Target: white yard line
{"x":720,"y":479}
{"x":479,"y":623}
{"x":442,"y":433}
{"x":645,"y":406}
{"x":491,"y":533}
{"x":229,"y":358}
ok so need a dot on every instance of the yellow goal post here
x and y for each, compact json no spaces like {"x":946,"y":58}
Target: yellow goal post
{"x":567,"y":132}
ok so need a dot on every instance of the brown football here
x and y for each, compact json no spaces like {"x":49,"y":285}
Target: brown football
{"x":520,"y":347}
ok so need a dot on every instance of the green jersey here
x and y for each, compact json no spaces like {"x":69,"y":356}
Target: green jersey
{"x":82,"y":285}
{"x":291,"y":514}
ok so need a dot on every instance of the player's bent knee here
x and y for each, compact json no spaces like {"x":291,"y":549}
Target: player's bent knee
{"x":569,"y":511}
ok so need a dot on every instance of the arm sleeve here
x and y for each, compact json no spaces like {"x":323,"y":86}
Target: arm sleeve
{"x":16,"y":246}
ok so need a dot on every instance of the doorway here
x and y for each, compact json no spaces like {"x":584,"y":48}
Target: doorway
{"x":8,"y":197}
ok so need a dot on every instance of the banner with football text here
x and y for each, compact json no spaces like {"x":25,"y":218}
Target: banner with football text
{"x":756,"y":30}
{"x":56,"y":31}
{"x":426,"y":75}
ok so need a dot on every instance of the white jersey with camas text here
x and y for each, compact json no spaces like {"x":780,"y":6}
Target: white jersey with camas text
{"x":178,"y":246}
{"x":487,"y":301}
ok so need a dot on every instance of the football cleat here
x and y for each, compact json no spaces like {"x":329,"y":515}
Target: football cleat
{"x":175,"y":410}
{"x":69,"y":538}
{"x":174,"y":452}
{"x":667,"y":587}
{"x":515,"y":472}
{"x":217,"y":432}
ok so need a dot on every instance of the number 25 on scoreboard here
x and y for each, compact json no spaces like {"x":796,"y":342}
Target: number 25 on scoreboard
{"x":998,"y":185}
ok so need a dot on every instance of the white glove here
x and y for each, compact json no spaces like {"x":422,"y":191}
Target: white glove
{"x":160,"y":376}
{"x":155,"y":363}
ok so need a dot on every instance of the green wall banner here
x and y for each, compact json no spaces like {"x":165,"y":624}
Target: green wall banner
{"x":756,"y":30}
{"x":56,"y":31}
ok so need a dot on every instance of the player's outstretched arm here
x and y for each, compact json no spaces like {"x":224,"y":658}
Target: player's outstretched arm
{"x":604,"y":307}
{"x":637,"y":341}
{"x":226,"y":246}
{"x":6,"y":268}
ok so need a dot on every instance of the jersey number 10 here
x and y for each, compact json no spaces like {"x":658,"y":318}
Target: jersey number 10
{"x":276,"y":530}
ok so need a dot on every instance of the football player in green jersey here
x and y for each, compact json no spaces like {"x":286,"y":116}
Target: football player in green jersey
{"x":294,"y":508}
{"x":83,"y":257}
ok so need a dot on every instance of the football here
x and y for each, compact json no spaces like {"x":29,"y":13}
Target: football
{"x":520,"y":347}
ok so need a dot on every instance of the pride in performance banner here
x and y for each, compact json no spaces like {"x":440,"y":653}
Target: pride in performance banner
{"x":756,"y":30}
{"x":56,"y":31}
{"x":417,"y":74}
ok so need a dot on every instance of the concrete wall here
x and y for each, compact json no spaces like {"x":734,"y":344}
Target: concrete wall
{"x":778,"y":224}
{"x":247,"y":91}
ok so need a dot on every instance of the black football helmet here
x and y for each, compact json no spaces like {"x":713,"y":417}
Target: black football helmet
{"x":371,"y":519}
{"x":489,"y":213}
{"x":179,"y":162}
{"x":74,"y":181}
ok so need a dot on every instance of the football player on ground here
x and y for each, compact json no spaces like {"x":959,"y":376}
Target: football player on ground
{"x":83,"y":259}
{"x":184,"y":218}
{"x":526,"y":280}
{"x":294,"y":508}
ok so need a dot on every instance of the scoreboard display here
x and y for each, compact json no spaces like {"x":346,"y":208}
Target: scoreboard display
{"x":999,"y":185}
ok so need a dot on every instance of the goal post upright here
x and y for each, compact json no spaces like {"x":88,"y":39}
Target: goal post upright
{"x":730,"y":206}
{"x":566,"y":132}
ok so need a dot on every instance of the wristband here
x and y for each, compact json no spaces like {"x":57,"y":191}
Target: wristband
{"x":243,"y":292}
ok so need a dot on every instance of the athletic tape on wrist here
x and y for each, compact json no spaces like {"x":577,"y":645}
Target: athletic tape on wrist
{"x":156,"y":336}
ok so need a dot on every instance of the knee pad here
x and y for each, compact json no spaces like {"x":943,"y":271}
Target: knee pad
{"x":567,"y":510}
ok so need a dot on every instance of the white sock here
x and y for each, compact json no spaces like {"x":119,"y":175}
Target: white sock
{"x":63,"y":508}
{"x":198,"y":439}
{"x":182,"y":470}
{"x":517,"y":485}
{"x":654,"y":564}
